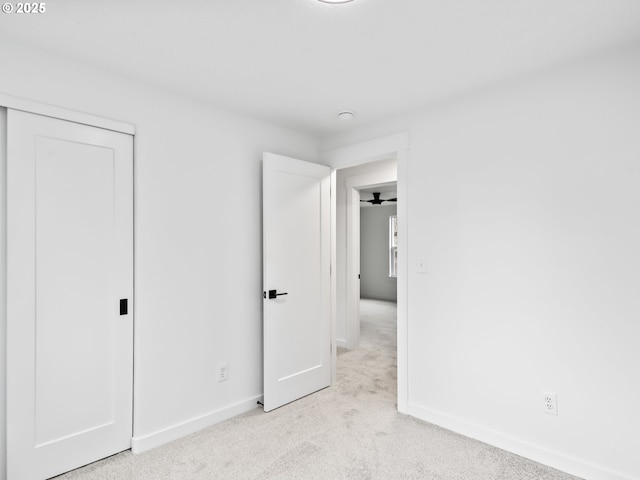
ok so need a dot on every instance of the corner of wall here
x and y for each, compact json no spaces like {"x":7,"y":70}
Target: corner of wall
{"x":3,"y":290}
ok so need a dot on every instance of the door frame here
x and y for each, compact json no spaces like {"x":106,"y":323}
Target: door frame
{"x":31,"y":106}
{"x":382,"y":148}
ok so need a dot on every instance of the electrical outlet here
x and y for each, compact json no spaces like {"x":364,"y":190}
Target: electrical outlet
{"x":550,"y":403}
{"x":223,"y":371}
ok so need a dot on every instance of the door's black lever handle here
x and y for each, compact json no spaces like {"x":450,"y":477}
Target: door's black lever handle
{"x":273,"y":294}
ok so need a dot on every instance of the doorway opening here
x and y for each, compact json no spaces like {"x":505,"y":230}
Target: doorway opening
{"x":377,"y":313}
{"x":369,"y":156}
{"x":367,"y":250}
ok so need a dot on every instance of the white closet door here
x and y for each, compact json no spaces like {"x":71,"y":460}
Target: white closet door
{"x":69,"y":265}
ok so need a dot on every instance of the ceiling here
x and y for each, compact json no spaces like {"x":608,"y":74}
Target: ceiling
{"x":299,"y":62}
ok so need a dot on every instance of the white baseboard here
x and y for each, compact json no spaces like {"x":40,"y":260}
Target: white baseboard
{"x":342,"y":343}
{"x":554,"y":459}
{"x":140,"y":444}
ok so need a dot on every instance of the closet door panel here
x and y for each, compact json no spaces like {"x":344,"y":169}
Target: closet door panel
{"x":70,"y":262}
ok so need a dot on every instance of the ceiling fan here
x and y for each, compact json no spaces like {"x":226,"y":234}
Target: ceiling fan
{"x":376,"y":200}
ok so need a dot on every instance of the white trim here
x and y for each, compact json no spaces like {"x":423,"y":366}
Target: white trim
{"x":402,"y":161}
{"x":566,"y":463}
{"x":393,"y":246}
{"x":334,"y":287}
{"x":364,"y":152}
{"x":30,"y":106}
{"x":373,"y":179}
{"x":143,"y":443}
{"x":353,"y":266}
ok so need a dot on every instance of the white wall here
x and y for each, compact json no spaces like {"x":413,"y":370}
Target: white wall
{"x":374,"y":253}
{"x":523,"y":199}
{"x":198,"y":238}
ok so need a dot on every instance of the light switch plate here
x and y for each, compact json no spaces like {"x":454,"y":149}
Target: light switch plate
{"x":422,"y":266}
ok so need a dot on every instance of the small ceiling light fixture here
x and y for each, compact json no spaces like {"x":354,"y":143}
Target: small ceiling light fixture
{"x":346,"y":115}
{"x":335,"y":1}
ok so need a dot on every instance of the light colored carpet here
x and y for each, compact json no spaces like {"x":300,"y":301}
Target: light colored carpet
{"x":350,"y":430}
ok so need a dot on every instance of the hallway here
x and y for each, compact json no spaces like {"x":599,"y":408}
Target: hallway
{"x":372,"y":368}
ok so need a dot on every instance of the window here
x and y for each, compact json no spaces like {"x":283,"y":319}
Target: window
{"x":393,"y":246}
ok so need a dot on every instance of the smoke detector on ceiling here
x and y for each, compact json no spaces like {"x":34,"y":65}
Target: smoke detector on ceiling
{"x":346,"y":115}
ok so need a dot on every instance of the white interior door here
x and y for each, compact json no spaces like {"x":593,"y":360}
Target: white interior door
{"x":296,"y":252}
{"x":69,"y":264}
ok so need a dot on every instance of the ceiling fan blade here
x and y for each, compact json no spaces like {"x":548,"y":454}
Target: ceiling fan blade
{"x":376,"y":200}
